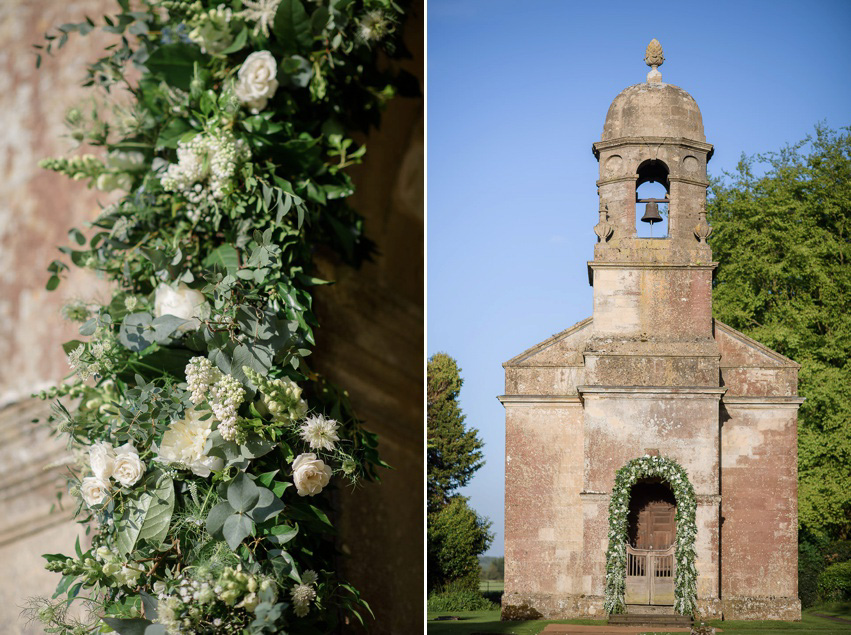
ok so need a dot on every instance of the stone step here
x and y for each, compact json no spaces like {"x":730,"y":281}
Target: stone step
{"x":650,"y":620}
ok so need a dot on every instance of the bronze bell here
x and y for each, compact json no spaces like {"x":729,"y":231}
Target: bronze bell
{"x":651,"y":213}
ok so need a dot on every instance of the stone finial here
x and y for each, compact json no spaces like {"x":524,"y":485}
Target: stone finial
{"x":604,"y":229}
{"x":654,"y":58}
{"x":702,"y":230}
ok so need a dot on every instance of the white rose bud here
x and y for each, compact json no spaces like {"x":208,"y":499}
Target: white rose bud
{"x":102,"y":459}
{"x":181,"y":302}
{"x":310,"y":474}
{"x":128,"y":468}
{"x":257,"y":81}
{"x":94,"y":490}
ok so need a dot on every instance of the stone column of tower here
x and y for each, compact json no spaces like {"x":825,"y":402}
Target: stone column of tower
{"x":651,"y":362}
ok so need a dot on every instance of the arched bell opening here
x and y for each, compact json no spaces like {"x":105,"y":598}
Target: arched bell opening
{"x":651,"y":199}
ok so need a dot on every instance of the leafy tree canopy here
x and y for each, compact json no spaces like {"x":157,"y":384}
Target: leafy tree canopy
{"x":454,"y":451}
{"x":456,"y":535}
{"x":782,"y":241}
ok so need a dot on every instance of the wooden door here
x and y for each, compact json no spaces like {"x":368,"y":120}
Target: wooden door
{"x":655,"y":526}
{"x":650,"y":557}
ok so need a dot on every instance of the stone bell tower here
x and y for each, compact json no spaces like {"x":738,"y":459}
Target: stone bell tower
{"x":651,"y":374}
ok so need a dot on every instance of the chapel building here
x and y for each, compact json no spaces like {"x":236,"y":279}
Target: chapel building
{"x":651,"y":385}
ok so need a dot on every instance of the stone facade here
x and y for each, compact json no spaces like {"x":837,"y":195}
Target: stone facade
{"x":371,"y":338}
{"x":651,"y":373}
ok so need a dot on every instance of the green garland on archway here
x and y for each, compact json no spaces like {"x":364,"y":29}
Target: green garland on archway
{"x":685,"y":580}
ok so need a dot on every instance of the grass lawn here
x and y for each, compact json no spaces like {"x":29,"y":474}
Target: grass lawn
{"x":487,"y":622}
{"x":491,"y":585}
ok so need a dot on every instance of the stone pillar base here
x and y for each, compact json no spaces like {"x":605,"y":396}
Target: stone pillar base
{"x":761,"y":608}
{"x":551,"y":606}
{"x":708,"y":609}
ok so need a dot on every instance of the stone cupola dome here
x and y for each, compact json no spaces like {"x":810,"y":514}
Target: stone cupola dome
{"x":653,"y":108}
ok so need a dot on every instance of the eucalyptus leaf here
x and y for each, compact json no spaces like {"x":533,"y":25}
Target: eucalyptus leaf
{"x":267,"y":507}
{"x":243,"y":494}
{"x":236,"y":529}
{"x":136,"y":332}
{"x":149,"y":603}
{"x":216,"y":518}
{"x":256,"y":446}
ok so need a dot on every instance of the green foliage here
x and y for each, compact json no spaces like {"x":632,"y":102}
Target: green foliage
{"x":459,"y":597}
{"x":685,"y":578}
{"x":456,"y":535}
{"x":233,"y":179}
{"x":834,"y":583}
{"x":784,"y":278}
{"x":454,"y":450}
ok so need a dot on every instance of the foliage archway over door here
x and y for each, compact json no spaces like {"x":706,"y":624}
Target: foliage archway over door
{"x":685,"y":580}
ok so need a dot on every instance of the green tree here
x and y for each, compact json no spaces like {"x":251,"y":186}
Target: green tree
{"x":454,"y":451}
{"x":456,"y":533}
{"x":456,"y":536}
{"x":782,"y":241}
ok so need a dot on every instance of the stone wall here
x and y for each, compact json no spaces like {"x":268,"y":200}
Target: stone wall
{"x":372,"y":334}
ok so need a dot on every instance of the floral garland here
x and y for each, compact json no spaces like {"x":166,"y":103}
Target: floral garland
{"x":685,"y":579}
{"x":205,"y":444}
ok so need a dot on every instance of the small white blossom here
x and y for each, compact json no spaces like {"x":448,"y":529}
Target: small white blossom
{"x":200,"y":375}
{"x":212,"y":31}
{"x":206,"y":165}
{"x":302,"y":595}
{"x":225,"y":398}
{"x":319,"y":432}
{"x":309,"y":577}
{"x":261,"y":12}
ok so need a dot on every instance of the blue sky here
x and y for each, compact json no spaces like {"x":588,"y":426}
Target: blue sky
{"x":517,"y":93}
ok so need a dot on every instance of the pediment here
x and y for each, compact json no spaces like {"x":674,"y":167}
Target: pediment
{"x":562,"y":349}
{"x":740,"y":351}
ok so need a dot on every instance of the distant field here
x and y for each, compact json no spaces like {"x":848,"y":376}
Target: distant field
{"x":491,"y":585}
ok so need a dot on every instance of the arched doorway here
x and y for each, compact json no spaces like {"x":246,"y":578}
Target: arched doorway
{"x":651,"y":537}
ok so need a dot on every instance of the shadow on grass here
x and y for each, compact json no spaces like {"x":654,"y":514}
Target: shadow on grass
{"x":488,"y":623}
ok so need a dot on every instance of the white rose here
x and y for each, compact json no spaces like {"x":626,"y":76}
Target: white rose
{"x":128,"y":468}
{"x":94,"y":490}
{"x":310,"y":474}
{"x":183,"y":443}
{"x":102,"y":460}
{"x":256,"y":82}
{"x":181,"y":302}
